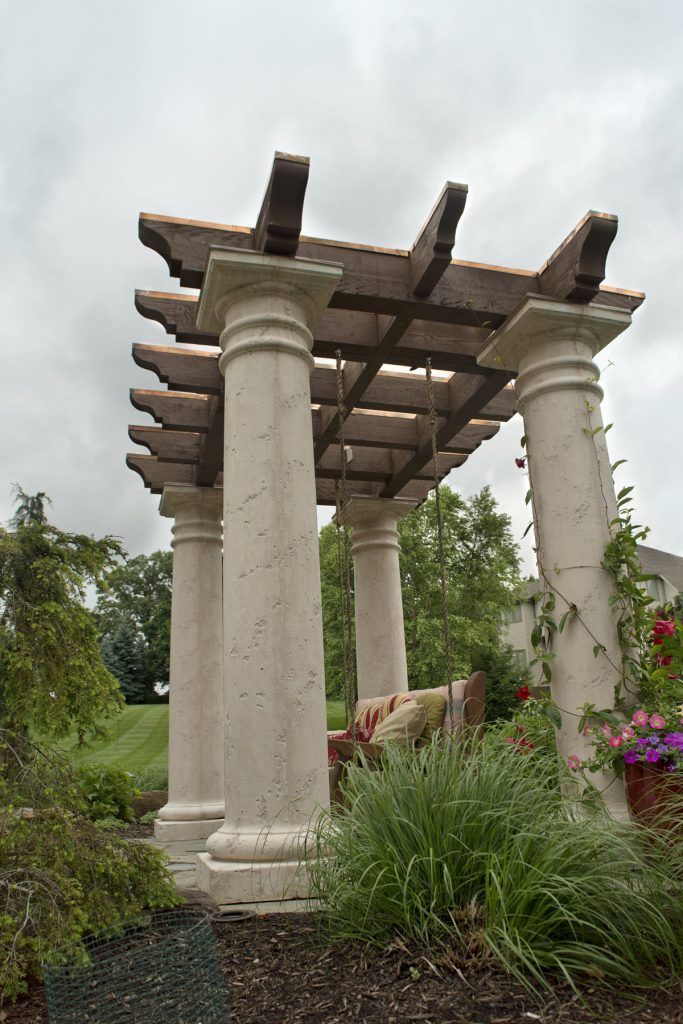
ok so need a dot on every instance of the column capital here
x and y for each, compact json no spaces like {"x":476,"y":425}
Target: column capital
{"x":201,"y":502}
{"x":540,"y":319}
{"x":375,"y":520}
{"x":366,"y":512}
{"x":258,"y":301}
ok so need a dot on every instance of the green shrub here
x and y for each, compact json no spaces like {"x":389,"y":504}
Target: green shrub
{"x":61,"y":876}
{"x":108,"y":791}
{"x":149,"y":818}
{"x":459,"y":852}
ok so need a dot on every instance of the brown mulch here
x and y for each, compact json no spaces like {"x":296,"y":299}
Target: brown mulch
{"x":279,"y":969}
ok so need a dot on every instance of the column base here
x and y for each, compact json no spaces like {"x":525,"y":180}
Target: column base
{"x":251,"y":882}
{"x":175,"y":831}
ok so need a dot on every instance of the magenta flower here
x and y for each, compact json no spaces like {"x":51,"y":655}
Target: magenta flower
{"x":657,"y":721}
{"x":574,"y":762}
{"x":628,"y":733}
{"x":652,"y":755}
{"x":640,"y":718}
{"x":605,"y":729}
{"x":630,"y":756}
{"x":616,"y":741}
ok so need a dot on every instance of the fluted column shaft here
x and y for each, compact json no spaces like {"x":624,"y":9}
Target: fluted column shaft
{"x":275,"y":754}
{"x":380,"y":639}
{"x":552,"y":345}
{"x":195,"y":743}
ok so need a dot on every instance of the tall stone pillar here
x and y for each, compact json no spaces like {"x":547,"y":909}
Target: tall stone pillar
{"x":264,"y":308}
{"x":551,"y":344}
{"x":380,"y":639}
{"x":196,"y":803}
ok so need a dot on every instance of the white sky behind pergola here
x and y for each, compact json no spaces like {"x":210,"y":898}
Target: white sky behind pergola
{"x":110,"y":108}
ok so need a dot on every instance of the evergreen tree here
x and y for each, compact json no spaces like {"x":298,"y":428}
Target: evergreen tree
{"x":123,"y":652}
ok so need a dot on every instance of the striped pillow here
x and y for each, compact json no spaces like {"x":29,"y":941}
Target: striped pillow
{"x":369,"y":713}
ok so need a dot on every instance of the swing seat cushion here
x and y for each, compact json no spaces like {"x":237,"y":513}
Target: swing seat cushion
{"x":403,"y":726}
{"x":372,"y":711}
{"x":448,"y":725}
{"x":435,"y":706}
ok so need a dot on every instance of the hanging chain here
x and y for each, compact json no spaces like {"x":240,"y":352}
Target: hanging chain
{"x":350,"y":684}
{"x":439,"y":533}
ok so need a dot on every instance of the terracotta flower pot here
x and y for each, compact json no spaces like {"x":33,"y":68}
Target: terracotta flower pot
{"x":654,"y":794}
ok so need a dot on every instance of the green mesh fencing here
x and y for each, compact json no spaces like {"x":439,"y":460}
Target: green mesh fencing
{"x":164,"y":971}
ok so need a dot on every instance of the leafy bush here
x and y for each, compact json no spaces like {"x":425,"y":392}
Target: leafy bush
{"x":61,"y":876}
{"x":149,"y":818}
{"x":108,"y":791}
{"x":473,"y":851}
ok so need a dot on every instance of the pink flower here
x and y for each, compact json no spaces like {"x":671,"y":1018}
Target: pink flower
{"x":605,"y":730}
{"x":640,"y":718}
{"x":657,"y":722}
{"x":663,"y":627}
{"x":616,"y":741}
{"x":628,"y":733}
{"x":520,"y":463}
{"x":574,"y":762}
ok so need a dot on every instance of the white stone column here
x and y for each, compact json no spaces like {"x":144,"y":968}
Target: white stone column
{"x":275,"y":726}
{"x":380,"y":639}
{"x":552,"y":345}
{"x":196,"y":803}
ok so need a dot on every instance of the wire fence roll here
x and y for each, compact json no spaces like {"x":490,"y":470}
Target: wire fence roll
{"x":162,"y":971}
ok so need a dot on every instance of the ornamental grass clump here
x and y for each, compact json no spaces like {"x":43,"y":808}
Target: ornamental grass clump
{"x":470,"y":849}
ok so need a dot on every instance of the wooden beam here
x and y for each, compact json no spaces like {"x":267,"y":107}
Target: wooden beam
{"x":428,"y":261}
{"x":576,"y":269}
{"x":170,"y":445}
{"x":468,"y":395}
{"x":195,"y":372}
{"x":326,"y":490}
{"x":375,"y":464}
{"x":157,"y":474}
{"x":452,"y":347}
{"x":279,"y":222}
{"x":375,"y":280}
{"x":175,"y":410}
{"x":431,"y":252}
{"x":400,"y":433}
{"x":211,"y":457}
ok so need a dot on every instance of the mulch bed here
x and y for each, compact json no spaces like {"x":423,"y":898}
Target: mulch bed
{"x":280,"y":969}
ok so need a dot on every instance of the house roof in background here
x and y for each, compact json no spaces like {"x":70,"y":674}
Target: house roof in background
{"x":652,"y":560}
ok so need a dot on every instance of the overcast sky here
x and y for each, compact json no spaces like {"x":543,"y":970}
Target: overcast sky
{"x":544,"y":109}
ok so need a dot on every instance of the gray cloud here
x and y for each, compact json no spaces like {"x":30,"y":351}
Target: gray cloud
{"x":110,"y":108}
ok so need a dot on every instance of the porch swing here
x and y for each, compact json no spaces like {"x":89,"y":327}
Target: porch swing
{"x":448,"y":708}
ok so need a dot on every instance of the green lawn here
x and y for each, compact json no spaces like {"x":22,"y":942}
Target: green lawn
{"x":138,"y":738}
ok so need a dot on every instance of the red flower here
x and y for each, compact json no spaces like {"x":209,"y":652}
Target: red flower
{"x":662,"y":628}
{"x":520,"y":463}
{"x":523,"y":693}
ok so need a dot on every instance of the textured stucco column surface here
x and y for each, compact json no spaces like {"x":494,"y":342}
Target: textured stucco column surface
{"x":196,"y":804}
{"x":275,"y":720}
{"x":552,"y":345}
{"x":380,"y":638}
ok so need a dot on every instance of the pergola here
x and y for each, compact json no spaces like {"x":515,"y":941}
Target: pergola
{"x":249,"y":434}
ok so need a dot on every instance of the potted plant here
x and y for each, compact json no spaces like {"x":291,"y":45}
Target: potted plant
{"x":641,"y":739}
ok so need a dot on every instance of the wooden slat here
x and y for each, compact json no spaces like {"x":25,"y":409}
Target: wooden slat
{"x":325,"y":490}
{"x":576,"y":269}
{"x":452,"y":347}
{"x":375,"y":464}
{"x":468,"y":394}
{"x":169,"y":445}
{"x":183,"y":370}
{"x":279,"y":222}
{"x":374,"y":280}
{"x":175,"y":410}
{"x":156,"y":474}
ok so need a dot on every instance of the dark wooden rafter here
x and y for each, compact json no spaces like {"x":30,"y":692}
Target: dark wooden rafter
{"x":391,"y":306}
{"x":428,"y":261}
